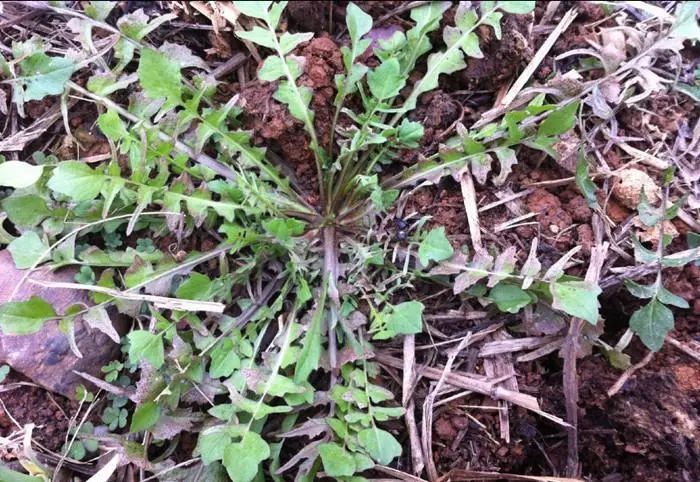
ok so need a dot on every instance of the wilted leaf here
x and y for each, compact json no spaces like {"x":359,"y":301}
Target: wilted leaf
{"x":98,"y":318}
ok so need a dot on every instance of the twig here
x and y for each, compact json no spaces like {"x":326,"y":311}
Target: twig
{"x":684,"y":348}
{"x":409,"y":359}
{"x":427,"y":425}
{"x":628,"y":373}
{"x":570,"y":349}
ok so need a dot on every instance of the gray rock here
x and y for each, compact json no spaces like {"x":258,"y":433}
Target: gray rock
{"x":45,"y":357}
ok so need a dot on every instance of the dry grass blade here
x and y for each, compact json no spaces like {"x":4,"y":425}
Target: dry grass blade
{"x":409,"y":380}
{"x":459,"y":475}
{"x":469,"y":196}
{"x":571,"y":349}
{"x":17,"y":142}
{"x":497,"y":347}
{"x":427,"y":425}
{"x":159,"y":301}
{"x":617,"y":386}
{"x":542,"y":52}
{"x":478,"y":385}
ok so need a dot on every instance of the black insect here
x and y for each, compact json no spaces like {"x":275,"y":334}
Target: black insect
{"x":401,"y":226}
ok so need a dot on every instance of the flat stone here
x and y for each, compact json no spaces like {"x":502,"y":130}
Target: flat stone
{"x":45,"y":357}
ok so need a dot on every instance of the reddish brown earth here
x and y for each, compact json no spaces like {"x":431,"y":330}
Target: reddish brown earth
{"x":650,"y":430}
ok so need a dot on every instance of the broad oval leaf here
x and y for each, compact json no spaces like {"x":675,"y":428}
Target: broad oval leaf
{"x":577,"y":298}
{"x":435,"y":247}
{"x":242,"y":459}
{"x":18,"y":174}
{"x":27,"y":250}
{"x":77,"y":180}
{"x":337,"y":462}
{"x":380,"y":445}
{"x":652,"y":323}
{"x":406,"y":318}
{"x":24,"y":317}
{"x":509,"y":297}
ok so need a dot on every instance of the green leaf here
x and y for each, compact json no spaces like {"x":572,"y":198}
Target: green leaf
{"x":253,"y":9}
{"x":298,"y":104}
{"x":196,"y":287}
{"x":260,"y":36}
{"x":242,"y":459}
{"x":43,"y":75}
{"x":359,"y":23}
{"x":27,"y":250}
{"x":686,"y":24}
{"x":272,"y":69}
{"x":146,"y":345}
{"x":112,"y":126}
{"x":406,"y":318}
{"x":516,"y":6}
{"x":386,"y":80}
{"x":380,"y":444}
{"x":668,"y":298}
{"x":212,"y":442}
{"x":435,"y":247}
{"x":648,"y":214}
{"x":284,"y":229}
{"x":290,"y":41}
{"x":145,"y":416}
{"x":77,"y":180}
{"x":19,"y":174}
{"x":584,"y":182}
{"x":509,"y":298}
{"x":693,"y":242}
{"x":160,"y":76}
{"x":652,"y":323}
{"x":311,"y":346}
{"x":24,"y":317}
{"x":642,"y":254}
{"x":559,"y":121}
{"x":7,"y":475}
{"x":577,"y":298}
{"x":337,"y":462}
{"x":224,"y":359}
{"x":410,"y":133}
{"x":27,"y":210}
{"x":447,"y":62}
{"x":641,"y":291}
{"x":99,"y":10}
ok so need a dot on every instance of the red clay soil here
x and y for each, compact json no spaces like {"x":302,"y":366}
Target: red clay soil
{"x":26,"y":404}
